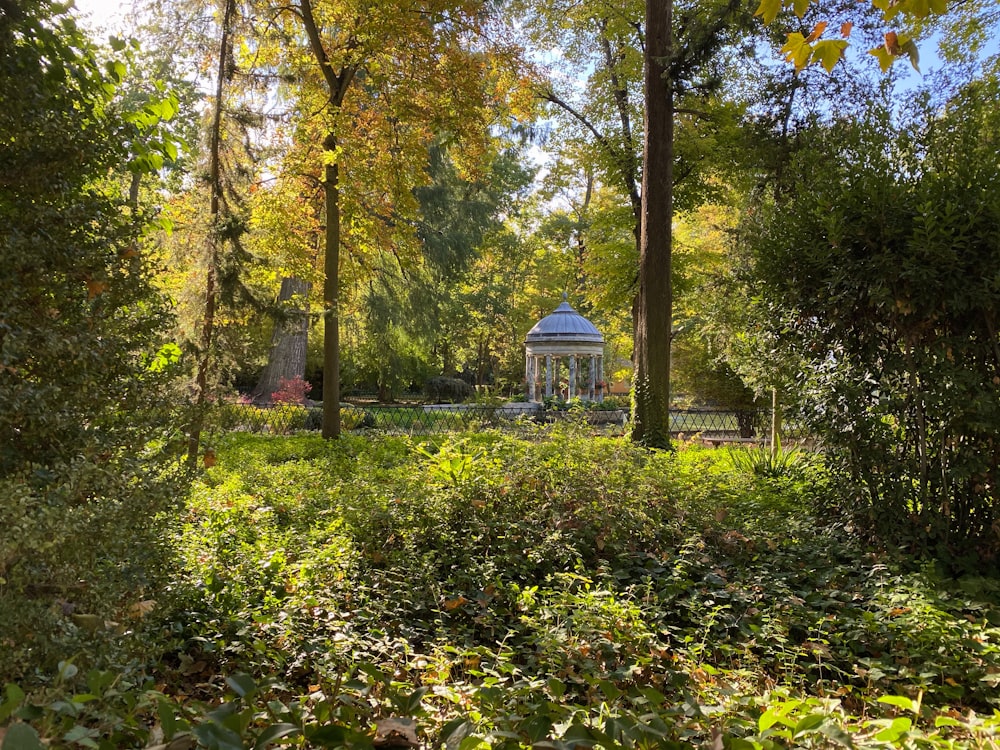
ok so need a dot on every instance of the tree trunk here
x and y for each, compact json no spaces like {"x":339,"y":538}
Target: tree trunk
{"x":287,"y":358}
{"x":338,"y":82}
{"x":651,"y":420}
{"x":331,"y":292}
{"x":211,"y":274}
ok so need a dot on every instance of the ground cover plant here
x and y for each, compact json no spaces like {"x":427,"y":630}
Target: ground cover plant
{"x":559,"y":590}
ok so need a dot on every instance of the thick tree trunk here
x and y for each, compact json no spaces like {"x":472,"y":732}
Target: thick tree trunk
{"x":651,"y":419}
{"x":287,"y":358}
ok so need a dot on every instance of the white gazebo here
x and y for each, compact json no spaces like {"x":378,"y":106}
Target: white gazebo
{"x":564,"y":335}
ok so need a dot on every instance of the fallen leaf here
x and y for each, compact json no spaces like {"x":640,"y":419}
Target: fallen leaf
{"x":95,"y":288}
{"x":141,"y":609}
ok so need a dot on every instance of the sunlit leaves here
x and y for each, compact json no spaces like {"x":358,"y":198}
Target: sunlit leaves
{"x":801,"y":51}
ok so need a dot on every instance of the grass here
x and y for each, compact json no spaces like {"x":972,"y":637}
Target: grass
{"x":558,"y":591}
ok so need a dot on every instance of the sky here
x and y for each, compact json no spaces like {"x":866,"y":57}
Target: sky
{"x":103,"y":15}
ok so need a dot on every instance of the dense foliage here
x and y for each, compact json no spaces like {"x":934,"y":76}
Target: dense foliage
{"x":561,"y":591}
{"x":877,"y":267}
{"x":81,"y":357}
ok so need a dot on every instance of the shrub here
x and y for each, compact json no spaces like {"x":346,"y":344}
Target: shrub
{"x":869,"y":276}
{"x":291,"y":391}
{"x":448,"y":390}
{"x":85,"y":462}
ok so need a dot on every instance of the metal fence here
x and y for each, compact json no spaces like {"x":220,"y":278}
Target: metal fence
{"x":433,"y":418}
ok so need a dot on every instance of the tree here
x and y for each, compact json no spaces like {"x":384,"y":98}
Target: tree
{"x":651,"y":417}
{"x":83,"y":362}
{"x":403,"y":71}
{"x":679,"y":83}
{"x":216,"y":235}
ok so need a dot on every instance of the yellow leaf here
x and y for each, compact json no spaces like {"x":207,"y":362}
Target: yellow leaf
{"x":797,"y":50}
{"x":88,"y":622}
{"x":768,"y":10}
{"x":800,"y":7}
{"x":885,"y":60}
{"x":829,"y":52}
{"x":450,"y":604}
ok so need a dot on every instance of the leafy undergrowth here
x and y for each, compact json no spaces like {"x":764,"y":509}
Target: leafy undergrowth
{"x":499,"y":592}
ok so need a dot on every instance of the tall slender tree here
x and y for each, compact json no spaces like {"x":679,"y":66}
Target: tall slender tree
{"x":651,"y":420}
{"x":395,"y":74}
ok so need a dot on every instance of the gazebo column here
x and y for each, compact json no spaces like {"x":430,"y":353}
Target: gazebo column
{"x":571,"y":389}
{"x":548,"y":375}
{"x":592,"y":385}
{"x":600,"y":370}
{"x":529,"y":375}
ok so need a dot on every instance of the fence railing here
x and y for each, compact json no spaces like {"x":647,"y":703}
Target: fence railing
{"x":417,"y":418}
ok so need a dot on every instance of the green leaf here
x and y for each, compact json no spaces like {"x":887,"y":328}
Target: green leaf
{"x":577,"y":733}
{"x":895,"y":730}
{"x":946,"y":721}
{"x":168,"y":720}
{"x":242,"y":684}
{"x":21,"y":737}
{"x":800,"y":7}
{"x":610,"y":690}
{"x":67,"y":670}
{"x":556,"y":687}
{"x":536,"y":728}
{"x":837,"y":734}
{"x":456,"y":730}
{"x":807,"y":724}
{"x":328,"y":735}
{"x":768,"y":10}
{"x":217,"y":737}
{"x":767,"y":720}
{"x":14,"y":697}
{"x":275,"y":732}
{"x":900,"y":701}
{"x":413,"y":701}
{"x":910,"y":48}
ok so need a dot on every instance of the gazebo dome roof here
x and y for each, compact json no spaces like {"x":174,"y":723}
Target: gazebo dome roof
{"x":564,"y":324}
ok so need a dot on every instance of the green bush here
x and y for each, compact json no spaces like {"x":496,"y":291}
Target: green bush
{"x":448,"y":390}
{"x":869,"y":277}
{"x":86,"y":470}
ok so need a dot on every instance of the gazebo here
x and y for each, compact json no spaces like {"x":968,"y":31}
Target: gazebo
{"x":564,"y":335}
